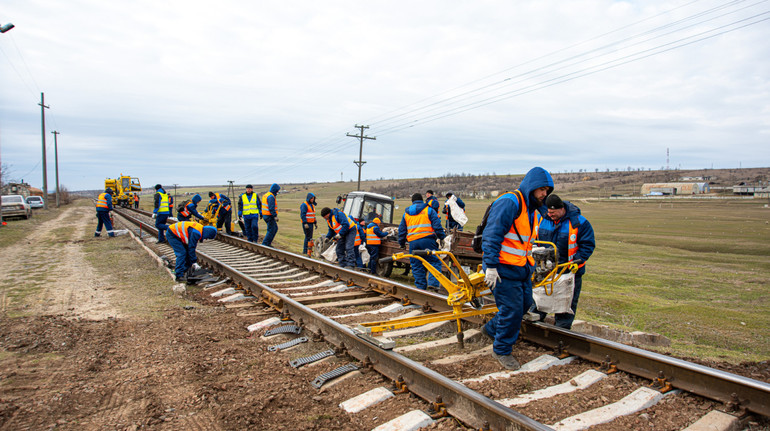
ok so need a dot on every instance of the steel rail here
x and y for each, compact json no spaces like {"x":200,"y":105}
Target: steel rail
{"x":736,"y":391}
{"x":465,"y":404}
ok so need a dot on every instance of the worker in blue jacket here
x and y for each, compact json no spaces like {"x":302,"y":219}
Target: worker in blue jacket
{"x":450,"y":221}
{"x":190,"y":209}
{"x":184,"y":237}
{"x":562,"y":224}
{"x":103,"y":208}
{"x":342,"y":229}
{"x":224,"y":211}
{"x":431,"y":200}
{"x":162,"y":205}
{"x":374,"y":237}
{"x":507,"y":260}
{"x":270,"y":214}
{"x":249,"y":208}
{"x":307,"y":217}
{"x":421,"y":228}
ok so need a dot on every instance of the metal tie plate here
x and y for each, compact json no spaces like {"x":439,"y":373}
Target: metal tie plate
{"x":285,"y":329}
{"x":312,"y":358}
{"x":323,"y":378}
{"x":287,"y":344}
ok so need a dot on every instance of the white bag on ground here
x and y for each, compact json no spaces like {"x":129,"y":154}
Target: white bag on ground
{"x":457,"y":213}
{"x":331,"y":253}
{"x":560,"y":299}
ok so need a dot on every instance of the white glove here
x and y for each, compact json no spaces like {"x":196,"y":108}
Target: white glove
{"x":306,"y":226}
{"x":276,"y":219}
{"x":154,"y":215}
{"x":491,"y":278}
{"x":195,"y":266}
{"x":337,"y":237}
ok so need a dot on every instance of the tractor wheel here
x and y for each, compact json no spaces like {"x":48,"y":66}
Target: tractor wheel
{"x":384,"y":269}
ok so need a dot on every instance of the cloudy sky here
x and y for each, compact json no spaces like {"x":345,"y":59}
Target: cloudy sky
{"x":194,"y":93}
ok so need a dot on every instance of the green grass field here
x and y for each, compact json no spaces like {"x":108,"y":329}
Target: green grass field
{"x":696,"y":271}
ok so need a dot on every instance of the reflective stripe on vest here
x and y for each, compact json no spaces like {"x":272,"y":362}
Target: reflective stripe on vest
{"x":358,"y":233}
{"x":249,"y":206}
{"x":163,"y":205}
{"x":180,"y":230}
{"x":572,"y":246}
{"x":219,"y":201}
{"x":185,"y":211}
{"x":371,"y":237}
{"x":335,"y":226}
{"x":310,"y":214}
{"x":514,"y":251}
{"x":265,"y":207}
{"x":101,"y":202}
{"x":418,"y":226}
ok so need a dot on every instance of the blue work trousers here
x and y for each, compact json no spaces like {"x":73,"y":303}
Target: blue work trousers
{"x":513,"y":298}
{"x":418,"y":270}
{"x":183,"y":257}
{"x":160,"y":224}
{"x":272,"y":229}
{"x":346,"y":256}
{"x":564,"y":320}
{"x":251,"y":227}
{"x":308,"y":236}
{"x":224,"y":217}
{"x":103,"y":218}
{"x":374,"y":256}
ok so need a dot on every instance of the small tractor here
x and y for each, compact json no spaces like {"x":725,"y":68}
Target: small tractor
{"x":124,"y":187}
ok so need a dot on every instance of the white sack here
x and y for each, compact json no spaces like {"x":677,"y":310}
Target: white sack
{"x":364,"y":254}
{"x":561,"y":298}
{"x":331,"y":253}
{"x":457,"y":213}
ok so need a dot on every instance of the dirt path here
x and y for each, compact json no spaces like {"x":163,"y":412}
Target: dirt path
{"x":52,"y":259}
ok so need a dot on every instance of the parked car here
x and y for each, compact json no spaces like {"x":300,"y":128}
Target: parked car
{"x":35,"y":202}
{"x":16,"y":205}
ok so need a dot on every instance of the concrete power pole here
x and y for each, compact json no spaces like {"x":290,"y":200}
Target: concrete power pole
{"x":360,"y":162}
{"x":45,"y":172}
{"x":56,"y":162}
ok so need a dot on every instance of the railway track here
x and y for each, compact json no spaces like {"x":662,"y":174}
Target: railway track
{"x":591,"y":380}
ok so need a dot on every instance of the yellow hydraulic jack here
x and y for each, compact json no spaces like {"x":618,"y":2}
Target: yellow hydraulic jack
{"x":464,"y":296}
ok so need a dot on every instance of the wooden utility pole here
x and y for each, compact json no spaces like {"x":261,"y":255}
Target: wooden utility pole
{"x":45,"y":172}
{"x":56,"y":162}
{"x":360,"y":162}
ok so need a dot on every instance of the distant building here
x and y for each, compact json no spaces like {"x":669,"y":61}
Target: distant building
{"x":675,"y":188}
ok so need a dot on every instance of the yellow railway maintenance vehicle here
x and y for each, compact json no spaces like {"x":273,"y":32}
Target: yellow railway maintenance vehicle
{"x":464,"y":296}
{"x":124,"y":188}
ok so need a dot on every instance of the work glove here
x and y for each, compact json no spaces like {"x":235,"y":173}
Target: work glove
{"x":276,"y":219}
{"x":240,"y":219}
{"x":154,"y":215}
{"x":306,"y":226}
{"x":316,"y":224}
{"x":337,"y":237}
{"x":195,"y":266}
{"x":491,"y":278}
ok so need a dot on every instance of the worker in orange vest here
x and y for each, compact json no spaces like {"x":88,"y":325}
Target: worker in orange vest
{"x":307,"y":215}
{"x":373,"y":240}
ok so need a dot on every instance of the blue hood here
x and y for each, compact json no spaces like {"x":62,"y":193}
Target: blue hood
{"x":274,"y":189}
{"x":536,"y":177}
{"x":209,"y":232}
{"x":309,"y":196}
{"x":196,"y":199}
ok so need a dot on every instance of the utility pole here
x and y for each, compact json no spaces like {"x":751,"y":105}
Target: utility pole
{"x":56,"y":161}
{"x":45,"y":173}
{"x":175,"y":193}
{"x":360,"y":162}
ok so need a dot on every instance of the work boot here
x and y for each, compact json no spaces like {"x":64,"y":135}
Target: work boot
{"x":181,"y":279}
{"x":531,"y":316}
{"x":507,"y":361}
{"x":485,"y":333}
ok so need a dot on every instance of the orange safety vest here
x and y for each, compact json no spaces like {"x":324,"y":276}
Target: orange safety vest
{"x":180,"y":230}
{"x":418,"y":226}
{"x":371,"y":237}
{"x":265,"y":208}
{"x":218,"y":196}
{"x":515,"y":251}
{"x":335,"y":226}
{"x":572,"y":246}
{"x":101,"y":202}
{"x":358,"y":235}
{"x":310,"y":214}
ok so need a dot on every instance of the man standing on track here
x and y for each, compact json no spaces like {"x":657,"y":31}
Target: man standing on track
{"x":224,"y":211}
{"x":307,"y":216}
{"x":103,"y":208}
{"x":508,"y":264}
{"x":270,"y":214}
{"x":574,"y":238}
{"x":421,"y":228}
{"x":342,"y":229}
{"x":161,"y":212}
{"x":249,"y":206}
{"x":184,"y":237}
{"x":373,"y":240}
